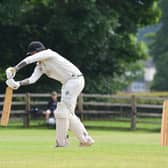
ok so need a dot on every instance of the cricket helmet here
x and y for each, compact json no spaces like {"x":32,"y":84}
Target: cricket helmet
{"x":35,"y":46}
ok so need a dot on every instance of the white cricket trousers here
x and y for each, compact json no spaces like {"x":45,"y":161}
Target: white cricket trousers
{"x":65,"y":113}
{"x":70,"y":92}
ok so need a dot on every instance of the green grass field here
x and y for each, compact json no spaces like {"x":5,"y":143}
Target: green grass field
{"x":34,"y":148}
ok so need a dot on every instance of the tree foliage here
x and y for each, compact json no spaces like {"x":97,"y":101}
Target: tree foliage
{"x":97,"y":36}
{"x":159,"y":51}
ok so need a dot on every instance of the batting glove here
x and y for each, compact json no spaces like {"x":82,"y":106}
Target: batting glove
{"x":13,"y":84}
{"x":10,"y":72}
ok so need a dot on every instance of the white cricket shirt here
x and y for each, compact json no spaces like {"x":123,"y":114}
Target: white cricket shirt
{"x":53,"y":65}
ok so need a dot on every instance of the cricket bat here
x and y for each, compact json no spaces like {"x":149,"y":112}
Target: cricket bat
{"x":6,"y":106}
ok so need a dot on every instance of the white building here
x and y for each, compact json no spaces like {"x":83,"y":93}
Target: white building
{"x":149,"y":70}
{"x":143,"y":85}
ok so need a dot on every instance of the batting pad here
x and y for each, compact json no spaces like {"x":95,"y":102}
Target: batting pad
{"x":78,"y":128}
{"x":62,"y":124}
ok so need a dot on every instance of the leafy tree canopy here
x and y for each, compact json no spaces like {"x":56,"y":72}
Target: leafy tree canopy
{"x":159,"y":51}
{"x":97,"y":36}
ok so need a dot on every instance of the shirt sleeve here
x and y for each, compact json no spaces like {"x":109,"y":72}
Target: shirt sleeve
{"x":34,"y":77}
{"x":40,"y":56}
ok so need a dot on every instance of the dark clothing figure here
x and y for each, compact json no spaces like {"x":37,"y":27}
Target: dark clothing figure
{"x":52,"y":105}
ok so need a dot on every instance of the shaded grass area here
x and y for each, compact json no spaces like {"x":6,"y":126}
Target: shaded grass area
{"x":113,"y":125}
{"x":118,"y":124}
{"x":24,"y":148}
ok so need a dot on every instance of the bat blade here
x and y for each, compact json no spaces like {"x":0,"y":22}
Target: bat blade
{"x":6,"y":107}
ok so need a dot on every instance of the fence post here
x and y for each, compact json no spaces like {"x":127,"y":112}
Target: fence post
{"x":80,"y":105}
{"x":27,"y":110}
{"x":133,"y":112}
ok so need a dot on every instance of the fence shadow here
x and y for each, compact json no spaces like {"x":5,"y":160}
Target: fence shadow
{"x":123,"y":129}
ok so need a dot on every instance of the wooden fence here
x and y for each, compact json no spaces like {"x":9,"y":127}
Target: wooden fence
{"x":92,"y":105}
{"x":130,"y":107}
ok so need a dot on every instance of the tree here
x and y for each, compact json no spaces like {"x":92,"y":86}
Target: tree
{"x":159,"y":51}
{"x":98,"y":36}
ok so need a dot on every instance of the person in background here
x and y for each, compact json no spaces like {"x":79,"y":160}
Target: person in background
{"x":51,"y":106}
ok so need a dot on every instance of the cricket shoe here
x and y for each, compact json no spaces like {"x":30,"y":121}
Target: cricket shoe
{"x":66,"y":142}
{"x":58,"y":146}
{"x":89,"y":142}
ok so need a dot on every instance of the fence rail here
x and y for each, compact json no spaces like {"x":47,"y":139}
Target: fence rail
{"x":92,"y":104}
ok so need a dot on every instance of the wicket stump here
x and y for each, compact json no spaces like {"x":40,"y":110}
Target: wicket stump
{"x":164,"y":126}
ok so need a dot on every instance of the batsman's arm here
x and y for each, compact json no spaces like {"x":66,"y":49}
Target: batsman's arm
{"x":40,"y":56}
{"x":33,"y":78}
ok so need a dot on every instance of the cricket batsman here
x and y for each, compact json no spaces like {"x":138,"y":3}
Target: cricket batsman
{"x":55,"y":66}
